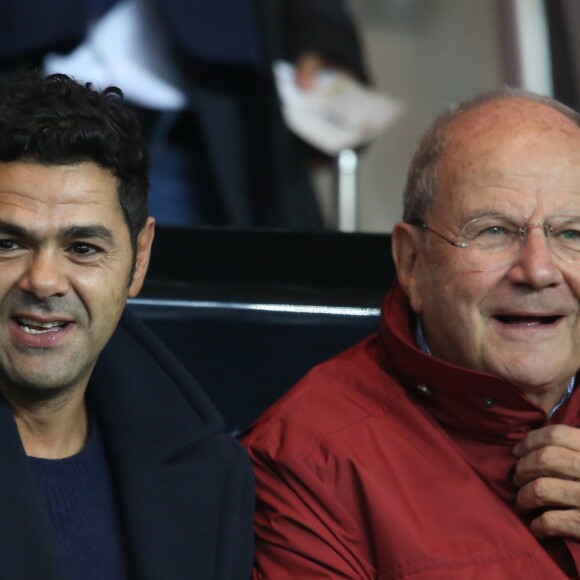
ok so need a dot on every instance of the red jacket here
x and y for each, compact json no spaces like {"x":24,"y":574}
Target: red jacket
{"x":385,"y":462}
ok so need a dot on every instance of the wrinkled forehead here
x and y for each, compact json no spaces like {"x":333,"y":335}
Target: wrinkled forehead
{"x":500,"y":123}
{"x":513,"y":141}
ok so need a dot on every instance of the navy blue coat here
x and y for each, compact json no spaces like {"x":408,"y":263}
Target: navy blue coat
{"x":185,"y":487}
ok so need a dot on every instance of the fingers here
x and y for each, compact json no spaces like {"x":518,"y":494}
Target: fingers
{"x":548,"y":492}
{"x":553,"y":494}
{"x":548,"y":461}
{"x":307,"y":68}
{"x":548,"y":474}
{"x":553,"y":435}
{"x":564,"y":523}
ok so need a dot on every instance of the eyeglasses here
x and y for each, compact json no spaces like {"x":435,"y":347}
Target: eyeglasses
{"x":494,"y":242}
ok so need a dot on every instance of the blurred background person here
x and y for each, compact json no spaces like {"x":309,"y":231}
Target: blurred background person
{"x":199,"y":75}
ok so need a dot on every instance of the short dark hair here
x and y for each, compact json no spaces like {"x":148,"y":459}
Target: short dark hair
{"x":54,"y":120}
{"x":421,"y":185}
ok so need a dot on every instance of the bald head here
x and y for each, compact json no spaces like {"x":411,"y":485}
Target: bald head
{"x":490,"y":119}
{"x":515,"y":137}
{"x":506,"y":118}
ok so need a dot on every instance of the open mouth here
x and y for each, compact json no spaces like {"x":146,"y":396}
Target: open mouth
{"x":527,"y":320}
{"x":31,"y":326}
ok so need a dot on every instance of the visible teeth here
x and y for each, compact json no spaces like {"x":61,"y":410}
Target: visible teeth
{"x":36,"y":327}
{"x":35,"y":331}
{"x":30,"y":322}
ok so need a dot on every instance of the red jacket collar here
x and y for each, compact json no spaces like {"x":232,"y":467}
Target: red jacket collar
{"x":476,"y":404}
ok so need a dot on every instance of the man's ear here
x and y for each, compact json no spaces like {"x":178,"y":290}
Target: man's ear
{"x":142,"y":255}
{"x":407,"y":244}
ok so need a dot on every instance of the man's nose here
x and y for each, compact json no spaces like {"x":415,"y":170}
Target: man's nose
{"x":535,"y":265}
{"x":44,"y":276}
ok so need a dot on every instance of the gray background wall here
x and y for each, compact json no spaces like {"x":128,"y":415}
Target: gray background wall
{"x":429,"y":54}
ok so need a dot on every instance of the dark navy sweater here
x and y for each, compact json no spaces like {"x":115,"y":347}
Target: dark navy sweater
{"x":82,"y":505}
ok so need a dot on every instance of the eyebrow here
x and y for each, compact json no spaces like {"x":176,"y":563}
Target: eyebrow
{"x":90,"y":231}
{"x":86,"y":231}
{"x":496,"y":214}
{"x":491,"y":213}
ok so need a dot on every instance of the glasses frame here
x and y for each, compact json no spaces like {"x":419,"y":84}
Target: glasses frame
{"x":454,"y":243}
{"x":522,"y":232}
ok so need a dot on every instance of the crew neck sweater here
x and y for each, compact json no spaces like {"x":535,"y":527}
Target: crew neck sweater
{"x":82,"y":505}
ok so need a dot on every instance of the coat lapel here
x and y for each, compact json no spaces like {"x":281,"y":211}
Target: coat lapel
{"x":160,"y":438}
{"x":173,"y":515}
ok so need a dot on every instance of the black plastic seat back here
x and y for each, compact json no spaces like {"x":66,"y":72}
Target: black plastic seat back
{"x":250,"y":312}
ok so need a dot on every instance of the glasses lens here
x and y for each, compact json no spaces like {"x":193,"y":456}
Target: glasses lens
{"x":492,"y":243}
{"x":565,"y":238}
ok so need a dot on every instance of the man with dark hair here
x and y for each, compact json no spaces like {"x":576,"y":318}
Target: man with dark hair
{"x":113,"y":463}
{"x":447,"y":445}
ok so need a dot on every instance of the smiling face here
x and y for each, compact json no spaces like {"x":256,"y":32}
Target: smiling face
{"x":65,"y":273}
{"x":520,"y":159}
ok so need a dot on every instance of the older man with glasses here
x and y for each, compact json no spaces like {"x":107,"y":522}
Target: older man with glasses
{"x":447,"y":446}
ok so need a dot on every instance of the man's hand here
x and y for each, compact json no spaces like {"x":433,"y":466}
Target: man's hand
{"x":308,"y":66}
{"x":548,"y":474}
